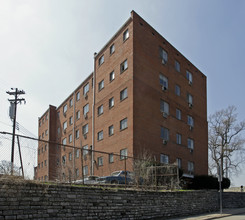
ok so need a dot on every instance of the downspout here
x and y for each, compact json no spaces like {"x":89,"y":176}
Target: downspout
{"x":73,"y":134}
{"x":93,"y":119}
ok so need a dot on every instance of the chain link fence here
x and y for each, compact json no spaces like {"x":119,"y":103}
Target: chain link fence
{"x":50,"y":161}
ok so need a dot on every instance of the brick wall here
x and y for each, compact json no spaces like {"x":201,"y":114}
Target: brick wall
{"x":36,"y":201}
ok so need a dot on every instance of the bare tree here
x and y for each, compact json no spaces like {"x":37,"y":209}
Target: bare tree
{"x":226,"y":145}
{"x":5,"y":168}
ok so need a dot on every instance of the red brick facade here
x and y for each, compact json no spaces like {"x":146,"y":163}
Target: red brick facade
{"x":127,"y":96}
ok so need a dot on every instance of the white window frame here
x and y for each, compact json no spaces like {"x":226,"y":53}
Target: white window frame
{"x":164,"y":159}
{"x":123,"y":154}
{"x":178,"y":138}
{"x":163,"y":55}
{"x":71,"y":120}
{"x":85,"y":109}
{"x":111,"y":102}
{"x":190,"y":143}
{"x":100,"y":161}
{"x":164,"y":107}
{"x":101,"y":85}
{"x":101,"y":60}
{"x":77,"y":133}
{"x":124,"y":94}
{"x":85,"y":129}
{"x":163,"y":81}
{"x":65,"y":125}
{"x":100,"y":110}
{"x":125,"y":35}
{"x":112,"y":76}
{"x":78,"y":96}
{"x":177,"y":66}
{"x":111,"y":130}
{"x":70,"y":138}
{"x":111,"y":158}
{"x":78,"y":114}
{"x":112,"y":48}
{"x":177,"y":90}
{"x":178,"y":114}
{"x":165,"y":133}
{"x":65,"y":108}
{"x":189,"y":76}
{"x":123,"y":124}
{"x":85,"y":150}
{"x":190,"y":121}
{"x":190,"y":98}
{"x":190,"y":167}
{"x":100,"y":135}
{"x":86,"y":89}
{"x":85,"y":170}
{"x":124,"y":66}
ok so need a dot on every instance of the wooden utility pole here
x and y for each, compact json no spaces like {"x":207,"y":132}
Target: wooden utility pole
{"x":12,"y":114}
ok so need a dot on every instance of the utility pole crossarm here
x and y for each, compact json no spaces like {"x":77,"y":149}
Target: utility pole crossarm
{"x":14,"y":103}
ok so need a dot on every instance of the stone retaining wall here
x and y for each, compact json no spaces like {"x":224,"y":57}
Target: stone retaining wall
{"x":41,"y":201}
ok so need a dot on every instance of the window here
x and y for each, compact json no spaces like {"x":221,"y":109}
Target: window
{"x":86,"y":89}
{"x":123,"y":154}
{"x":124,"y":66}
{"x":101,"y":60}
{"x":190,"y":167}
{"x":58,"y":114}
{"x":78,"y":96}
{"x":190,"y":121}
{"x":189,"y":99}
{"x":163,"y":81}
{"x":42,"y":164}
{"x":178,"y":138}
{"x":123,"y":94}
{"x":39,"y":151}
{"x":70,"y":138}
{"x":77,"y":172}
{"x":112,"y":49}
{"x":71,"y":120}
{"x":100,"y":135}
{"x":58,"y":131}
{"x":125,"y":35}
{"x":46,"y":132}
{"x":177,"y":65}
{"x":64,"y":125}
{"x":64,"y":159}
{"x":189,"y":77}
{"x":70,"y":156}
{"x":111,"y":102}
{"x":78,"y":115}
{"x":42,"y":135}
{"x":163,"y":55}
{"x":64,"y":109}
{"x":100,"y":110}
{"x":164,"y":158}
{"x":71,"y":102}
{"x":111,"y":130}
{"x":190,"y":143}
{"x":123,"y":124}
{"x":111,"y":159}
{"x":178,"y":114}
{"x":77,"y":134}
{"x":85,"y":150}
{"x":164,"y":107}
{"x":179,"y":163}
{"x":101,"y":85}
{"x":85,"y":129}
{"x":100,"y":161}
{"x":64,"y":143}
{"x":164,"y":133}
{"x":112,"y":76}
{"x":85,"y":170}
{"x":177,"y":90}
{"x":77,"y":153}
{"x":85,"y":109}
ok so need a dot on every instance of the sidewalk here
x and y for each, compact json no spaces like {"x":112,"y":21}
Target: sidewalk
{"x":215,"y":215}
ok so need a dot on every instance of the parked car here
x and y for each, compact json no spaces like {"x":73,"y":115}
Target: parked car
{"x":87,"y":180}
{"x":117,"y":177}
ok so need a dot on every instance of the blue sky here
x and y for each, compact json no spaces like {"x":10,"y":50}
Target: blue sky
{"x":47,"y":47}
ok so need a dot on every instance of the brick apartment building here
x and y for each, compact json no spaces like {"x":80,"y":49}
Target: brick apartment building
{"x":143,"y":95}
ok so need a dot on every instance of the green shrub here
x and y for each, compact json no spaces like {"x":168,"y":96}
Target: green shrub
{"x":207,"y":182}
